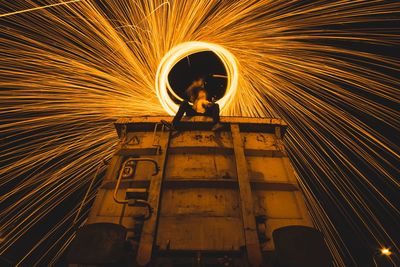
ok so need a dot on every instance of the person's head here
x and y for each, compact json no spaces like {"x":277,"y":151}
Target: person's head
{"x":198,"y":82}
{"x":202,"y":94}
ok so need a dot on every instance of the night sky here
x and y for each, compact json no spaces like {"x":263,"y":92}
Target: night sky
{"x":203,"y":64}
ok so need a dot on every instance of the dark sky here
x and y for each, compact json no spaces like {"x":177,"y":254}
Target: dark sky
{"x":202,"y":64}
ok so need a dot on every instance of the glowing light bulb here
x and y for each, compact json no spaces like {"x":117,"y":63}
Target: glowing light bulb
{"x":386,"y":251}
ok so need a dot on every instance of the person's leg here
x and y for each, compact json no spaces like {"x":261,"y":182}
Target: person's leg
{"x":213,"y":111}
{"x":183,"y":108}
{"x":190,"y":112}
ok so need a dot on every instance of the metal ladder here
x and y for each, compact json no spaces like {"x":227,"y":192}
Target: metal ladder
{"x":135,"y":197}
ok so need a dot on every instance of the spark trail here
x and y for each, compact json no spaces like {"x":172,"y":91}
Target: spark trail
{"x":69,"y":69}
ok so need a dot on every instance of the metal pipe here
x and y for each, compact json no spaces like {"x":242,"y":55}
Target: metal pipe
{"x":147,"y":205}
{"x":130,"y":159}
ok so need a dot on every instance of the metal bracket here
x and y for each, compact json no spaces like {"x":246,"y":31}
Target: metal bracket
{"x":157,"y":144}
{"x":262,"y":228}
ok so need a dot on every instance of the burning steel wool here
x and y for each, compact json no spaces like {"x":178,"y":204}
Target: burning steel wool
{"x":69,"y":69}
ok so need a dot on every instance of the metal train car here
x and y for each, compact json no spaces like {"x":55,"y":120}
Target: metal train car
{"x":199,"y":198}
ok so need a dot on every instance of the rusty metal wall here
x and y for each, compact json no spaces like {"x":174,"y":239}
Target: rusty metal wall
{"x":204,"y":200}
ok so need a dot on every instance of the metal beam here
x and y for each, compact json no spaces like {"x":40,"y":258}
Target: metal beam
{"x":137,"y":151}
{"x":150,"y":226}
{"x":179,"y":182}
{"x":246,"y":201}
{"x":201,"y":123}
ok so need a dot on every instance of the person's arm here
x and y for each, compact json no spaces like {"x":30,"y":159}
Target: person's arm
{"x":189,"y":90}
{"x":207,"y":104}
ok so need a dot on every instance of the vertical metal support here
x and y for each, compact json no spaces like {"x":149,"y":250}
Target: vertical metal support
{"x":124,"y":136}
{"x":278,"y":141}
{"x":150,"y":226}
{"x":278,"y":133}
{"x":156,"y":140}
{"x":246,"y":200}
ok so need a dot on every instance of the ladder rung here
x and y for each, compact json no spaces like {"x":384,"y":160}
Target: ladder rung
{"x":137,"y":193}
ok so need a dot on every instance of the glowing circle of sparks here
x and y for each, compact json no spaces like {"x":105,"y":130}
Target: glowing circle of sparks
{"x":163,"y":88}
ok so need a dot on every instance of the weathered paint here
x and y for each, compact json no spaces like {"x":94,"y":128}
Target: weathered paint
{"x":202,"y":207}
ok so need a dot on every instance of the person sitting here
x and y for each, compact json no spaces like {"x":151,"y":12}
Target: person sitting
{"x":196,"y":94}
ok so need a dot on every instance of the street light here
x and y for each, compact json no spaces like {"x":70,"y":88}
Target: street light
{"x":386,"y":251}
{"x":383,"y":252}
